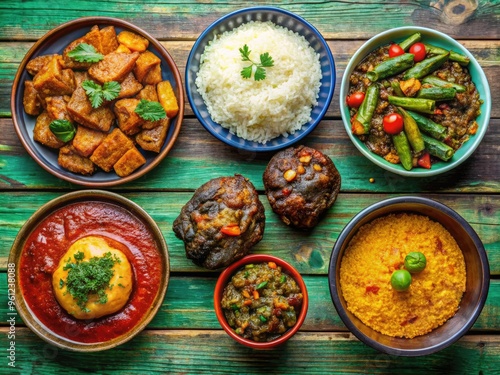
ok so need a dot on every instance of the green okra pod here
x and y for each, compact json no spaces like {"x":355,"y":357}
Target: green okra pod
{"x":437,"y":93}
{"x":437,"y":148}
{"x":412,"y":131}
{"x":454,"y":56}
{"x":412,"y":39}
{"x":438,"y":82}
{"x":391,"y":67}
{"x":413,"y":104}
{"x":428,"y":126}
{"x":366,"y":109}
{"x":426,"y":66}
{"x":403,"y":149}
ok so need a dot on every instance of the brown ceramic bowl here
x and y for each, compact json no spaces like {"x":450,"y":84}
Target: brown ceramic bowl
{"x":44,"y":316}
{"x":224,"y":279}
{"x":54,"y":42}
{"x":477,"y":278}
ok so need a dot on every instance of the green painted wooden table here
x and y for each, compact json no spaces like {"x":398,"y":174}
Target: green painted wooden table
{"x":185,"y":336}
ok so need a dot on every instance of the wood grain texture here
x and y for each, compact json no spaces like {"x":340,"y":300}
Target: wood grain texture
{"x":189,"y":352}
{"x":309,"y":252}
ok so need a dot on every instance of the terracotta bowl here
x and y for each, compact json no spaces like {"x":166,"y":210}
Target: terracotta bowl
{"x":54,"y":42}
{"x":69,"y":337}
{"x":477,"y":278}
{"x":439,"y":39}
{"x":224,"y":279}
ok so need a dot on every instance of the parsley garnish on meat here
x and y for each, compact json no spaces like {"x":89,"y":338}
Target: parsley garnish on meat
{"x":150,"y":111}
{"x":97,"y":93}
{"x":63,"y":130}
{"x":90,"y":277}
{"x":266,"y":61}
{"x":85,"y":53}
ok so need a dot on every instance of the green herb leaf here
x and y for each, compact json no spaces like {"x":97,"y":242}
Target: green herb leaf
{"x":111,"y":90}
{"x":85,"y":53}
{"x":61,"y":283}
{"x":245,"y":53}
{"x":150,"y":111}
{"x":262,"y":318}
{"x":266,"y":61}
{"x":63,"y":130}
{"x":97,"y":93}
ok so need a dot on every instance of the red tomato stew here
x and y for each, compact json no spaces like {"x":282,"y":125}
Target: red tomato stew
{"x":48,"y":243}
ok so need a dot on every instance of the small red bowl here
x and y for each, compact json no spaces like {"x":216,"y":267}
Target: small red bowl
{"x":224,"y":278}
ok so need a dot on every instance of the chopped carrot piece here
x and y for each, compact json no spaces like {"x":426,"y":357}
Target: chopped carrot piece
{"x":255,"y":294}
{"x":247,"y":302}
{"x":246,"y":294}
{"x":272,"y":265}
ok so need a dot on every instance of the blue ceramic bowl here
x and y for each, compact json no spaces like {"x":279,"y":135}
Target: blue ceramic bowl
{"x":441,"y":40}
{"x":54,"y":42}
{"x":279,"y":17}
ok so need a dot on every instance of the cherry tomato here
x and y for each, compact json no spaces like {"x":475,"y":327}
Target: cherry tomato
{"x":355,"y":99}
{"x":393,"y":123}
{"x":418,"y":51}
{"x":395,"y":50}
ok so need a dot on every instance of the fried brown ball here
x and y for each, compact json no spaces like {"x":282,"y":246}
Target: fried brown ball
{"x":301,"y":184}
{"x":221,"y":222}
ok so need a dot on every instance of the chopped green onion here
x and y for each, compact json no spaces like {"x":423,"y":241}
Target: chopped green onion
{"x":282,"y":279}
{"x":262,"y":318}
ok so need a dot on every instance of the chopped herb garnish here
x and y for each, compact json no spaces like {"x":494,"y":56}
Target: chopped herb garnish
{"x":235,"y":307}
{"x":61,"y":283}
{"x":85,"y":53}
{"x":246,"y":274}
{"x":90,"y":277}
{"x":64,"y":130}
{"x":262,"y":318}
{"x":282,"y":279}
{"x":257,"y":68}
{"x":97,"y":93}
{"x":150,"y":111}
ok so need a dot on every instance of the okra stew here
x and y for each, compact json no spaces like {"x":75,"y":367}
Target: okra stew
{"x":413,"y":103}
{"x":261,"y":302}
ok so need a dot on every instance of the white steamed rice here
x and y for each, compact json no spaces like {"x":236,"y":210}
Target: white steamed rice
{"x":260,"y":110}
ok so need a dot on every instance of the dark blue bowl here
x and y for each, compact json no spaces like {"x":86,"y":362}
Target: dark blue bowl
{"x":279,"y":17}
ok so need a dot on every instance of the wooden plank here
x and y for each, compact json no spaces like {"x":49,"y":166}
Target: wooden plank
{"x":486,"y":52}
{"x":193,"y":352}
{"x":180,"y":310}
{"x":172,"y":20}
{"x":309,"y":252}
{"x":196,"y":151}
